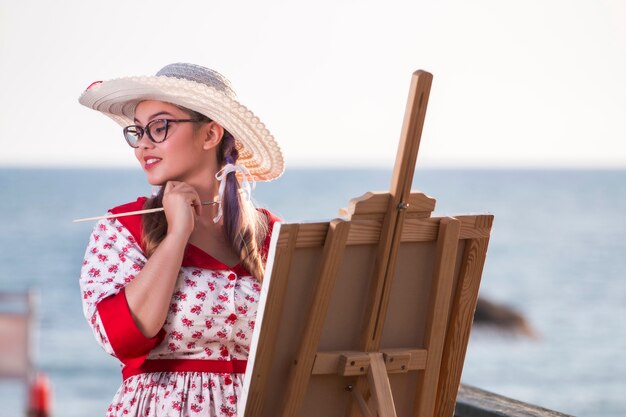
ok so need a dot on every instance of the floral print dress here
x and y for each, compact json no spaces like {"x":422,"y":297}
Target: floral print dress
{"x":194,"y":366}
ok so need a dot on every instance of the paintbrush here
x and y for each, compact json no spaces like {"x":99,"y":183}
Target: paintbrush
{"x":131,"y":213}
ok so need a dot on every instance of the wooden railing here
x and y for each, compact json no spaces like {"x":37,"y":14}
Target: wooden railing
{"x":475,"y":402}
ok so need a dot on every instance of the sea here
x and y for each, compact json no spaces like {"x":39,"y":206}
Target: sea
{"x":557,"y":256}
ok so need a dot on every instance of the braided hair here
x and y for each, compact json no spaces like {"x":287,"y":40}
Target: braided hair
{"x":245,"y":227}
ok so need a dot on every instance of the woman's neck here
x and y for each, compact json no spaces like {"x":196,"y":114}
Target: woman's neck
{"x":207,"y":187}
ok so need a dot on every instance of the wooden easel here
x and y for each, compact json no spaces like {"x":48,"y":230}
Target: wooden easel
{"x":369,"y":315}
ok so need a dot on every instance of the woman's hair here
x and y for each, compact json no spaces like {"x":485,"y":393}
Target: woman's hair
{"x":245,"y":228}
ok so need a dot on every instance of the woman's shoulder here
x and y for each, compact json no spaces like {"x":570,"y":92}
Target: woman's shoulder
{"x":132,"y":223}
{"x":132,"y":206}
{"x":271,"y":217}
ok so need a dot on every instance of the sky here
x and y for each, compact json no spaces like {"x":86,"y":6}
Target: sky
{"x":533,"y":83}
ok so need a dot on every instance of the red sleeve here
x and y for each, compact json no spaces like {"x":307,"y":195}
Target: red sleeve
{"x":130,"y":346}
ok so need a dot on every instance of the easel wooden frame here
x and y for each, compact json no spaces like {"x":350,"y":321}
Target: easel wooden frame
{"x":389,"y":223}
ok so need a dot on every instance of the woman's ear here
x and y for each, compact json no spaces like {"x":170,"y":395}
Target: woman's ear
{"x":213,"y":135}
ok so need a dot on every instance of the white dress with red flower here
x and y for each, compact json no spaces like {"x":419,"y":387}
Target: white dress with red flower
{"x":194,"y":366}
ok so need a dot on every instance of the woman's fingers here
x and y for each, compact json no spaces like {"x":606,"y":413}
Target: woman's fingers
{"x":180,"y":188}
{"x":197,"y":204}
{"x":170,"y":185}
{"x":181,"y":202}
{"x":184,"y":191}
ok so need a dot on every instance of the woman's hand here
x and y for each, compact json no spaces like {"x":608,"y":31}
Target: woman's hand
{"x":181,"y":203}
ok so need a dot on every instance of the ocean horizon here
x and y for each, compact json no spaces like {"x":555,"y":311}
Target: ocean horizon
{"x":556,"y":255}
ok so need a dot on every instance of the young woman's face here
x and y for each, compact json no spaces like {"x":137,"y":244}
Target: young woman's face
{"x":182,"y":156}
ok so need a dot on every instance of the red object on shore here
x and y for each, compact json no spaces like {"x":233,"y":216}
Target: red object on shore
{"x":39,"y":397}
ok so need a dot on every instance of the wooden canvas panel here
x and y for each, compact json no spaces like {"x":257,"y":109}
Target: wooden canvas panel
{"x":407,"y":318}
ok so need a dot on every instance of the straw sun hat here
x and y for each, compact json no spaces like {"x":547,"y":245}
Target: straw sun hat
{"x":200,"y":89}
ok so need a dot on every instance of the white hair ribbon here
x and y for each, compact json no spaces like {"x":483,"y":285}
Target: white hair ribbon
{"x":246,"y":186}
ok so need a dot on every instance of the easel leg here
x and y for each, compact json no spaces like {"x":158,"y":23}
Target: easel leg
{"x":363,"y":407}
{"x":379,"y":386}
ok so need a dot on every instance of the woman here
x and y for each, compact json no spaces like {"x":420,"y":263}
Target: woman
{"x":173,"y":294}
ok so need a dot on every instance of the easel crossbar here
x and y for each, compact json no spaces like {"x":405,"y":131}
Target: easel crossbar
{"x":358,"y":363}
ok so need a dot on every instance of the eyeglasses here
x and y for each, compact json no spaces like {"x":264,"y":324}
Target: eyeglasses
{"x":157,"y":130}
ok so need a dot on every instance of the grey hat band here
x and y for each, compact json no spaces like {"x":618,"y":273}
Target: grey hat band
{"x":202,"y":75}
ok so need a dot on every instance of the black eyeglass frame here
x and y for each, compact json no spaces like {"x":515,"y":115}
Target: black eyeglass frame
{"x":143,"y":130}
